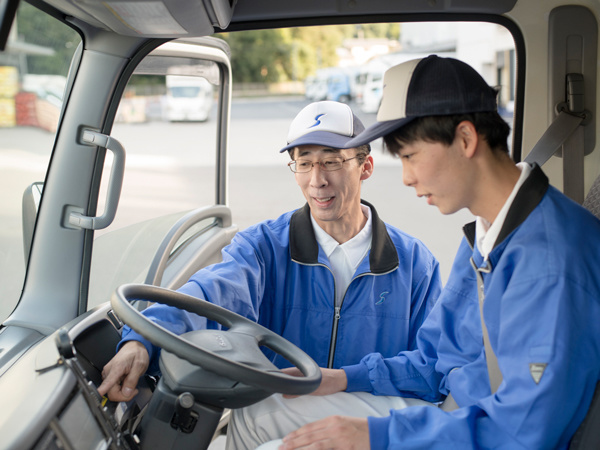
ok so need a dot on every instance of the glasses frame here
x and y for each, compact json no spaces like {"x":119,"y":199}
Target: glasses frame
{"x":292,"y":164}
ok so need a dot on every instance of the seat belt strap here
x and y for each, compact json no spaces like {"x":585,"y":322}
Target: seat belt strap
{"x":449,"y":404}
{"x":490,"y":357}
{"x":494,"y":373}
{"x":567,"y":131}
{"x":573,"y":172}
{"x":555,"y":136}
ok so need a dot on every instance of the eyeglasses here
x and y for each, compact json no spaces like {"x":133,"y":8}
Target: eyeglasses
{"x":326,"y":164}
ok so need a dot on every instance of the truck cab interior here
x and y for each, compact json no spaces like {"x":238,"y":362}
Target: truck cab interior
{"x":108,"y":205}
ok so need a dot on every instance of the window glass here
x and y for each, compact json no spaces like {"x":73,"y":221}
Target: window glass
{"x":33,"y":74}
{"x":167,"y":123}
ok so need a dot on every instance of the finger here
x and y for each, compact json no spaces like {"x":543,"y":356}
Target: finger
{"x":129,"y":384}
{"x":111,"y":378}
{"x":293,"y":371}
{"x":304,"y":435}
{"x":290,"y":396}
{"x":334,"y":432}
{"x":117,"y":394}
{"x":304,"y":440}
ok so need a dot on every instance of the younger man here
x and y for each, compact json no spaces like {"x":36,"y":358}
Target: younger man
{"x":536,"y":254}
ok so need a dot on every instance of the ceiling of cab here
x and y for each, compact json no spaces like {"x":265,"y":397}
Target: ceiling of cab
{"x":189,"y":18}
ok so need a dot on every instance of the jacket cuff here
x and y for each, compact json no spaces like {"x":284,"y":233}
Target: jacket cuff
{"x":378,"y":431}
{"x":358,"y":378}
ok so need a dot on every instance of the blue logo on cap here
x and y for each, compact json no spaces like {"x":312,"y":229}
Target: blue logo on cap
{"x":318,"y":122}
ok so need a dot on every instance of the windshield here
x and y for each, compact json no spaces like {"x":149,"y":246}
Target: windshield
{"x":170,"y":144}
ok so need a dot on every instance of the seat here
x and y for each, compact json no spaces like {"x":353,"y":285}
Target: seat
{"x":587,"y":435}
{"x":592,"y":199}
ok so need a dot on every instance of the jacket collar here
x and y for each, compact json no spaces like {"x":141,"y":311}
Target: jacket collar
{"x":528,"y":197}
{"x":304,"y":248}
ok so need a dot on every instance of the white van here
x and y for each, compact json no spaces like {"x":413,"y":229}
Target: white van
{"x":188,"y":98}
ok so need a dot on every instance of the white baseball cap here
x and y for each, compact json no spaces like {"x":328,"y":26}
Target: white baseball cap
{"x":325,"y":123}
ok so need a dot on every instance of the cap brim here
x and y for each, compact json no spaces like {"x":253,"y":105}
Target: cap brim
{"x":325,"y":138}
{"x":376,"y":131}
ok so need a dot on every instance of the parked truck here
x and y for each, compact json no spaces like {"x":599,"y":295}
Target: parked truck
{"x":188,"y":98}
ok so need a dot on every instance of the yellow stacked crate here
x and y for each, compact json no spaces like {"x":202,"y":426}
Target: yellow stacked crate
{"x":9,"y":86}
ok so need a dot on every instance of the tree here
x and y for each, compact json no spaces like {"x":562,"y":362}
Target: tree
{"x":57,"y":36}
{"x":256,"y":55}
{"x":294,"y":53}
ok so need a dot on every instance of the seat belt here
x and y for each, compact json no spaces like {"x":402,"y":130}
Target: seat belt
{"x":494,"y":373}
{"x":557,"y":133}
{"x":490,"y":357}
{"x":567,"y":131}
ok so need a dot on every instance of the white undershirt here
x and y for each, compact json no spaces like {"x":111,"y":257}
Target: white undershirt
{"x":345,"y":258}
{"x":487,"y":233}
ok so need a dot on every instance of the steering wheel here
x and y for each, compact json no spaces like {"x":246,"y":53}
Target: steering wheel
{"x":242,"y":332}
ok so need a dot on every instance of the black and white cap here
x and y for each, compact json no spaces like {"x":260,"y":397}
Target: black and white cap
{"x":431,"y":86}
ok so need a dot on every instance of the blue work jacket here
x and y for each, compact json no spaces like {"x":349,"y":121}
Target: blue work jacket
{"x":542,"y":304}
{"x":276,"y":274}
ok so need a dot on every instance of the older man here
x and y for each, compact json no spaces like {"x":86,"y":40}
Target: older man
{"x":331,"y":277}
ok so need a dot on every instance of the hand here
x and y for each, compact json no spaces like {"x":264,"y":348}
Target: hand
{"x":121,"y":374}
{"x":334,"y":432}
{"x":332,"y":381}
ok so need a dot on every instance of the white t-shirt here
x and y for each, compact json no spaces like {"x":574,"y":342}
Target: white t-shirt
{"x":345,"y":258}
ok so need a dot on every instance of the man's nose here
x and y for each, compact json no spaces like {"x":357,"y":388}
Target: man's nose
{"x":318,"y":177}
{"x":407,"y":176}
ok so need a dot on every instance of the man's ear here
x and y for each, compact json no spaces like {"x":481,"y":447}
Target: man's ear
{"x":467,"y":138}
{"x":367,"y":168}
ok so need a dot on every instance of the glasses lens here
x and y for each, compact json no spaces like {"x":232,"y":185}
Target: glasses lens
{"x":331,"y":164}
{"x":327,"y":164}
{"x":301,"y":165}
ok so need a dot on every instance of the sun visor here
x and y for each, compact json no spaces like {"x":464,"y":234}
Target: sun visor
{"x":160,"y":18}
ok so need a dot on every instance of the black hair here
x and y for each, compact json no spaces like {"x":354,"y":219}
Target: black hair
{"x":362,"y":152}
{"x":490,"y":125}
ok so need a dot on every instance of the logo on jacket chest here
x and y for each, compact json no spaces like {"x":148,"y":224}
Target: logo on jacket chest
{"x":381,"y":298}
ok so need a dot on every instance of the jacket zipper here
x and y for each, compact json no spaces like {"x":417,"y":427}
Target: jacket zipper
{"x":338,"y":314}
{"x":338,"y":309}
{"x":336,"y":317}
{"x":336,"y":320}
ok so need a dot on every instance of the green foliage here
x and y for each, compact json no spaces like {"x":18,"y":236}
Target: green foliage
{"x":294,"y":53}
{"x":35,"y":27}
{"x":262,"y":64}
{"x":378,"y":30}
{"x":257,"y":56}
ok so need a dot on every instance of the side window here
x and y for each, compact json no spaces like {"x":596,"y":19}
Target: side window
{"x":33,"y":75}
{"x":167,"y":122}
